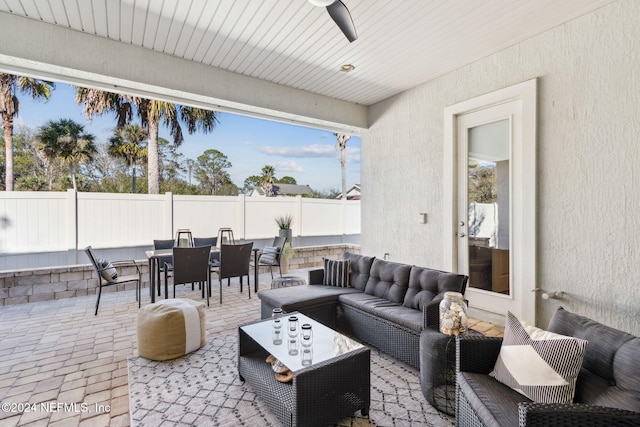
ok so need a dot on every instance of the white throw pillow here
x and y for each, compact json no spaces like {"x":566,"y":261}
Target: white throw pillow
{"x":539,"y":364}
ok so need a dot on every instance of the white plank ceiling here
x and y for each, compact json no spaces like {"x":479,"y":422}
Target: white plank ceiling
{"x":290,"y":42}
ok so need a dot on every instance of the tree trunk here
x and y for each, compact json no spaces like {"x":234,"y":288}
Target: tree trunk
{"x":153,"y":164}
{"x":72,"y":172}
{"x":133,"y":177}
{"x":7,"y":122}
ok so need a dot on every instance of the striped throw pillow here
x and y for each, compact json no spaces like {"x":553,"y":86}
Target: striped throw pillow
{"x":268,"y":255}
{"x":539,"y":364}
{"x":109,"y":273}
{"x":336,"y":273}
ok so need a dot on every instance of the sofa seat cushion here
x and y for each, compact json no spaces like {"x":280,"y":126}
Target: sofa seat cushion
{"x":401,"y":315}
{"x":384,"y":309}
{"x":362,"y":301}
{"x":494,"y":403}
{"x":298,"y":297}
{"x":389,"y":280}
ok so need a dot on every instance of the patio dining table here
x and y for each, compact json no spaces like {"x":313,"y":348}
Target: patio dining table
{"x":156,"y":256}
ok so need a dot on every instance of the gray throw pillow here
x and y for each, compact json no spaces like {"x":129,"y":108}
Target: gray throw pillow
{"x":268,"y":255}
{"x":109,"y":273}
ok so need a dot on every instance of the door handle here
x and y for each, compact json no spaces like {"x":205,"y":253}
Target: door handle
{"x":461,"y":234}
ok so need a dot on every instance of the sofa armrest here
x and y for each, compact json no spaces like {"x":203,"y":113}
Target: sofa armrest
{"x":431,"y":315}
{"x":477,"y":353}
{"x":316,"y":277}
{"x":547,"y":414}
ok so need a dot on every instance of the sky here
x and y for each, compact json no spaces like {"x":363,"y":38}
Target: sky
{"x":306,"y":154}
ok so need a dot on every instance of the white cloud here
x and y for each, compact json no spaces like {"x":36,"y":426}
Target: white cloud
{"x":313,"y":150}
{"x":353,"y":155}
{"x":290,"y":166}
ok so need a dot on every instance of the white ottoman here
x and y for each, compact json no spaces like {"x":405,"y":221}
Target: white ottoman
{"x":170,"y":328}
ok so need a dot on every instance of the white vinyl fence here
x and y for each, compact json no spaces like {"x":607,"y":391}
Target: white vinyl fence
{"x":39,"y":222}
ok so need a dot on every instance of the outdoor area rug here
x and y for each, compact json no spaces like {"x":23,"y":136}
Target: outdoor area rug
{"x":203,"y":388}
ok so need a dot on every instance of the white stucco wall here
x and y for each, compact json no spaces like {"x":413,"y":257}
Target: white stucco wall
{"x":588,"y":179}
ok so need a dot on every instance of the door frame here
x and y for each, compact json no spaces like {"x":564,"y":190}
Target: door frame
{"x":523,"y":196}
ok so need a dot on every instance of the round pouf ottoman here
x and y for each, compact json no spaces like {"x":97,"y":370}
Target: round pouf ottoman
{"x":170,"y":328}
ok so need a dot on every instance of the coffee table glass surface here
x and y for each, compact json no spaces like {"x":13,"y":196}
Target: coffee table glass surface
{"x":327,"y":343}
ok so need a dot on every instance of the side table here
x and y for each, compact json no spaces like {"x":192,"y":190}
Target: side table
{"x":438,"y":369}
{"x":286,"y":281}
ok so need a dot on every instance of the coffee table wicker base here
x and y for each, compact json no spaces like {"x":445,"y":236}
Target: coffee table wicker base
{"x":319,"y":395}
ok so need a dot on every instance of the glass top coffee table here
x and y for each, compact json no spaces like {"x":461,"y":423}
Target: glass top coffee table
{"x":330,"y":382}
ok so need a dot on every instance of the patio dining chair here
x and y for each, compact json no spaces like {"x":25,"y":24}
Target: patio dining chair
{"x":108,"y":275}
{"x":214,"y":258}
{"x":162,"y":244}
{"x":271,"y":255}
{"x":190,"y":265}
{"x":234,"y":262}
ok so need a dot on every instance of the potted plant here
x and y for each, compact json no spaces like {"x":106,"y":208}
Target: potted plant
{"x":284,"y":224}
{"x":287,"y":252}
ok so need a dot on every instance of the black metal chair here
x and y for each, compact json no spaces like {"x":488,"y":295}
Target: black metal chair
{"x":104,"y":270}
{"x":158,"y":245}
{"x":190,"y":265}
{"x":234,"y":262}
{"x":271,"y":255}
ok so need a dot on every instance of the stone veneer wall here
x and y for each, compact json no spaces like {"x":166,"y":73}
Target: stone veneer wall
{"x":25,"y":286}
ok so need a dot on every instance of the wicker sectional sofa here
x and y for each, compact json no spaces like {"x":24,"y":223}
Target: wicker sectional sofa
{"x":386,"y":304}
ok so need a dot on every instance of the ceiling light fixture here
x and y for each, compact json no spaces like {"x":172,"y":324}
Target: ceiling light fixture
{"x":321,"y":3}
{"x":346,"y":68}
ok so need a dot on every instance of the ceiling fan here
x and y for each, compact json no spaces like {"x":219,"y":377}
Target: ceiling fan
{"x":340,"y":15}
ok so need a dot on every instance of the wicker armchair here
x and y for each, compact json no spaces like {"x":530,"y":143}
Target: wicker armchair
{"x":609,"y":376}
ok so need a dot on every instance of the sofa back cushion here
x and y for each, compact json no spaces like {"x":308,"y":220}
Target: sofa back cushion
{"x":388,"y":280}
{"x":360,"y":266}
{"x":427,"y":285}
{"x":610,"y":375}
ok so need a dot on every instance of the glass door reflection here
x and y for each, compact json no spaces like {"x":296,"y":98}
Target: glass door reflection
{"x":488,"y":206}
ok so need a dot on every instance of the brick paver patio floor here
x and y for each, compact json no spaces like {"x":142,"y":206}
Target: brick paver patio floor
{"x":70,"y":367}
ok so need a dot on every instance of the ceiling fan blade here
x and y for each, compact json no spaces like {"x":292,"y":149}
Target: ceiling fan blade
{"x":341,"y":16}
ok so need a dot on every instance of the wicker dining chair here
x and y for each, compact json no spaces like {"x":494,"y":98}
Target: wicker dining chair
{"x":214,"y":258}
{"x":234,"y":262}
{"x":190,"y":265}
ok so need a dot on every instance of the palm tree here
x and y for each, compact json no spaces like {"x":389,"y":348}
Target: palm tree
{"x":267,"y":179}
{"x":151,"y":113}
{"x":9,"y":107}
{"x":66,"y":140}
{"x":341,"y":145}
{"x":127,"y":143}
{"x":98,"y":102}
